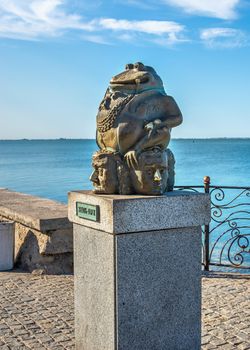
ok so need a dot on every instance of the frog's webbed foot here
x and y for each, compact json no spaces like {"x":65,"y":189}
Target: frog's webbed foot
{"x":131,"y":158}
{"x":153,"y":124}
{"x":156,"y":134}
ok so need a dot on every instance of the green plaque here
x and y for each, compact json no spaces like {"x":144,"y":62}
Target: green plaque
{"x":88,"y":211}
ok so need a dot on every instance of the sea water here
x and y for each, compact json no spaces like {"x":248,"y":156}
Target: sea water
{"x":52,"y":168}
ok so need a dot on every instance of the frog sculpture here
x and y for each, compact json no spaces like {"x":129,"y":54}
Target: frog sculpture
{"x":134,"y":123}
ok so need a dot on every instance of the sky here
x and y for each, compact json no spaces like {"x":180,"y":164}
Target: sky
{"x":58,"y":56}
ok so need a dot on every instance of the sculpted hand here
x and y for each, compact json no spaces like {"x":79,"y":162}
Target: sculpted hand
{"x":131,"y":158}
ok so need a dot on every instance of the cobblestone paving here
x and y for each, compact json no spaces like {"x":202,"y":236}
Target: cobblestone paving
{"x":36,"y":312}
{"x":226,"y":312}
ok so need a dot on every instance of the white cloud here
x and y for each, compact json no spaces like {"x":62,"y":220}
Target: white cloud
{"x":97,"y":39}
{"x":149,"y":27}
{"x":224,"y":9}
{"x":32,"y":19}
{"x":164,"y":33}
{"x":129,"y":37}
{"x":223,"y":37}
{"x":144,"y":5}
{"x":36,"y":19}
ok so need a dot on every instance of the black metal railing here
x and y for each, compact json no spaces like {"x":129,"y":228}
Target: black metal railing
{"x":226,"y":241}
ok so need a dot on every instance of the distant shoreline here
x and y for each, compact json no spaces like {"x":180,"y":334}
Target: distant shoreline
{"x":90,"y":139}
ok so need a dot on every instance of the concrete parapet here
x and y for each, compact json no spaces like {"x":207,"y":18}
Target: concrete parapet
{"x":43,"y":233}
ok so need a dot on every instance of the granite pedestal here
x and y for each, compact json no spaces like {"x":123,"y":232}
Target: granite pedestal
{"x":137,"y":271}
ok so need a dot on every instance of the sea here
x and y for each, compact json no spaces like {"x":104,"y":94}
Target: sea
{"x":52,"y":168}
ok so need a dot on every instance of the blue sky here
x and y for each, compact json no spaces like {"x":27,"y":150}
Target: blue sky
{"x":57,"y":57}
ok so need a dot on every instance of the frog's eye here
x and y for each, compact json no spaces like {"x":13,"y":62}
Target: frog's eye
{"x":139,"y":66}
{"x":129,"y":66}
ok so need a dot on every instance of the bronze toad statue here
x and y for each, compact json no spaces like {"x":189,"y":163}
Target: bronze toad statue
{"x":134,"y":122}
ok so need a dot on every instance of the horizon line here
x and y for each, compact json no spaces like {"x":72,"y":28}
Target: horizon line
{"x":93,"y":139}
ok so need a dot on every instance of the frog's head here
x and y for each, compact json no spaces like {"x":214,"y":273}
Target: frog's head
{"x":136,"y":78}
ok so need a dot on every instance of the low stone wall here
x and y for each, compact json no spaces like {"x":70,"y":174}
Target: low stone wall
{"x":43,"y":234}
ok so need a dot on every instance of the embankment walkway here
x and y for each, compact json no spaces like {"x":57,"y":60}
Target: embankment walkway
{"x":37,"y":312}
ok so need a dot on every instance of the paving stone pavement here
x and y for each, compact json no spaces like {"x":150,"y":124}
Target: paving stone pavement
{"x":226,"y":312}
{"x":36,"y":312}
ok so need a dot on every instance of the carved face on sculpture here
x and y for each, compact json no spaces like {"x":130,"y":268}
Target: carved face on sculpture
{"x":136,"y":78}
{"x":104,"y":176}
{"x":149,"y":171}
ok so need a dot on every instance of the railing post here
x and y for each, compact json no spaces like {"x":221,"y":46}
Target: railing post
{"x":206,"y":238}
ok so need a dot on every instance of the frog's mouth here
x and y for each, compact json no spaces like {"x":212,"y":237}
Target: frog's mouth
{"x":130,"y":78}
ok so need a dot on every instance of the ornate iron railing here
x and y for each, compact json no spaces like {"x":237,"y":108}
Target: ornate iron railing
{"x":226,"y":240}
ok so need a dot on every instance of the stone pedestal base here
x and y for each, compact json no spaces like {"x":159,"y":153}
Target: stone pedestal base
{"x":139,"y":289}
